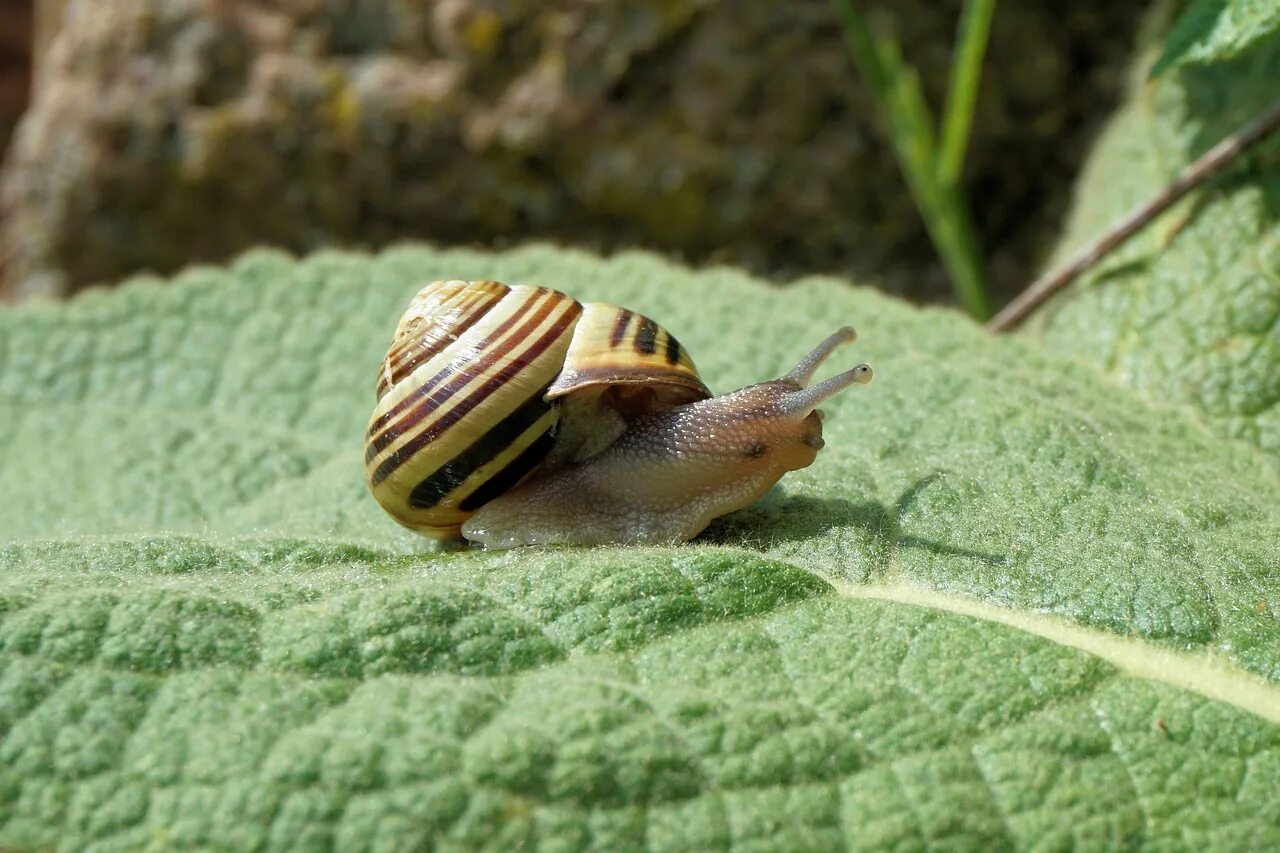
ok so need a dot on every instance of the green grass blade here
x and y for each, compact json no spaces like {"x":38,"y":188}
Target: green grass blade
{"x":911,"y":131}
{"x":862,"y":45}
{"x":953,"y":236}
{"x":941,"y":206}
{"x":966,"y":73}
{"x":909,"y":122}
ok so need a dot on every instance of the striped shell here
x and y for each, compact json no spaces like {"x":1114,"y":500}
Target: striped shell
{"x":472,"y":391}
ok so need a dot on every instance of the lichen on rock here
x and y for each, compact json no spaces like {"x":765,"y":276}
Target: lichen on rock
{"x":174,"y":131}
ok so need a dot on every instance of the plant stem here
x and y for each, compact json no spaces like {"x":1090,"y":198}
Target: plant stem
{"x":966,"y":71}
{"x":863,"y":47}
{"x":1208,"y":165}
{"x":897,"y":91}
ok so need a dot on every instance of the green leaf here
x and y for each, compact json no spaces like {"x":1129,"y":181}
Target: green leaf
{"x":1011,"y":605}
{"x":1189,"y":310}
{"x":1216,"y":30}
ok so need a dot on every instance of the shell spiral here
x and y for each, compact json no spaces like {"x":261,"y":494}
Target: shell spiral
{"x":470,"y":392}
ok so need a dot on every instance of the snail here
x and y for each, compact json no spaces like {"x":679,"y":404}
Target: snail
{"x":517,"y":415}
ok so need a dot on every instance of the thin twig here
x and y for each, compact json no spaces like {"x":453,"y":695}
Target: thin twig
{"x":1209,"y":164}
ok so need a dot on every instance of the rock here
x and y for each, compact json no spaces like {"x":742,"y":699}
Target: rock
{"x":175,"y":131}
{"x":15,"y":64}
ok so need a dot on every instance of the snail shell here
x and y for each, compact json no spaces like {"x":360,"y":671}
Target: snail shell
{"x":485,"y":385}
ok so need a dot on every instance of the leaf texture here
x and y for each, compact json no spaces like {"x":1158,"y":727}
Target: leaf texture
{"x":1214,"y":30}
{"x":1012,"y":605}
{"x":1189,"y":310}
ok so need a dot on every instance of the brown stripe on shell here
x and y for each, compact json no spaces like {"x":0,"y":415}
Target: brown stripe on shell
{"x":440,"y":483}
{"x":510,"y":475}
{"x":646,"y":337}
{"x":407,"y":336}
{"x":431,"y":395}
{"x":390,"y":371}
{"x":477,"y":395}
{"x":672,"y":352}
{"x":409,"y":358}
{"x":488,"y":342}
{"x":405,"y":344}
{"x":620,"y":327}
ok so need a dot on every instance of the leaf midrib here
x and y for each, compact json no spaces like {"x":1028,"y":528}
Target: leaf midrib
{"x":1205,"y":673}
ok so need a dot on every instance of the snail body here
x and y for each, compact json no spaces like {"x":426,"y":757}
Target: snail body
{"x":518,"y":415}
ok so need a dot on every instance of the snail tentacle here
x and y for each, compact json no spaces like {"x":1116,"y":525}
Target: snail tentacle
{"x":803,"y":372}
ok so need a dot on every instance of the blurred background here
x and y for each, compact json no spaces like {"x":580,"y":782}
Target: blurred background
{"x":150,"y":134}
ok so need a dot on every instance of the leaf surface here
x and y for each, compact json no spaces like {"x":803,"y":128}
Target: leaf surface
{"x":1188,"y":310}
{"x":1214,"y":30}
{"x":1012,"y":604}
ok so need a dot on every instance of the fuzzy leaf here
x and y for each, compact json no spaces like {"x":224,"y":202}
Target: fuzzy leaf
{"x":1188,"y":310}
{"x":1011,"y":605}
{"x":1214,"y":30}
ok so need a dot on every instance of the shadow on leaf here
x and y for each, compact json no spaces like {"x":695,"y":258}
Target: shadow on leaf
{"x":780,"y":517}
